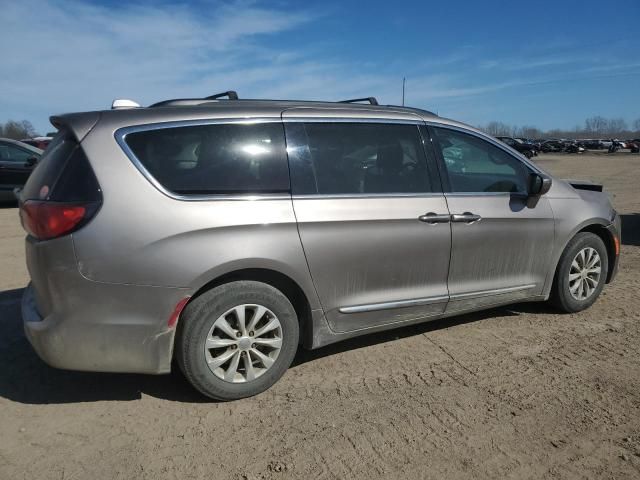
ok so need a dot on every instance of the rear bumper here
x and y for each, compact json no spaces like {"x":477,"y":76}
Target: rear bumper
{"x":109,"y":344}
{"x":78,"y":324}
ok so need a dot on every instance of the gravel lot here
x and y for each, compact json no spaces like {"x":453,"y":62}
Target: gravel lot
{"x":517,"y":392}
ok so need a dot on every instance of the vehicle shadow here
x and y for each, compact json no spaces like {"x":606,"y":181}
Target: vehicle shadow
{"x":371,"y":339}
{"x":24,"y":378}
{"x":630,"y":229}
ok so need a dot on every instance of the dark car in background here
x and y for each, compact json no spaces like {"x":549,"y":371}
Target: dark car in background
{"x":592,"y":144}
{"x":566,"y":146}
{"x":525,"y":148}
{"x":571,"y":146}
{"x":551,"y":146}
{"x":17,"y":160}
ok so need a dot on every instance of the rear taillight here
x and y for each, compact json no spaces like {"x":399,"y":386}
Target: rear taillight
{"x":46,"y":220}
{"x":62,"y":193}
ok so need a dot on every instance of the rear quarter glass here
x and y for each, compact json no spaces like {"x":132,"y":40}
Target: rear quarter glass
{"x":214,"y":159}
{"x":63,"y":174}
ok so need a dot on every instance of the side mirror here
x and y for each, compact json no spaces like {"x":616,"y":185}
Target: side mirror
{"x":31,"y":161}
{"x":538,"y":185}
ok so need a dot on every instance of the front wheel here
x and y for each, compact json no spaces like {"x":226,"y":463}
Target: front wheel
{"x":528,"y":154}
{"x":581,"y":273}
{"x":237,"y":340}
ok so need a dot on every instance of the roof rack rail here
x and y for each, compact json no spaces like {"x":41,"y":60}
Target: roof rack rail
{"x":231,"y":95}
{"x":371,"y":100}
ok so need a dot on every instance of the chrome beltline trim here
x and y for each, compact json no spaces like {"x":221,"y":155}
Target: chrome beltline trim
{"x":487,"y":293}
{"x":390,"y":305}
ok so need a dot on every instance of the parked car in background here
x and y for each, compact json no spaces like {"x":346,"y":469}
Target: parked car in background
{"x":38,"y":142}
{"x":526,"y":149}
{"x":532,"y":143}
{"x":236,"y":231}
{"x":550,"y":146}
{"x":571,"y":146}
{"x":591,"y":144}
{"x":634,"y":145}
{"x":17,"y":160}
{"x":563,"y":145}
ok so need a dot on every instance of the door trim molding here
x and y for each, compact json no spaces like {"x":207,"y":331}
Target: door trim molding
{"x":416,"y":302}
{"x":488,"y":293}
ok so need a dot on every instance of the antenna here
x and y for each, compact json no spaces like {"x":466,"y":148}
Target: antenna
{"x":403,"y":82}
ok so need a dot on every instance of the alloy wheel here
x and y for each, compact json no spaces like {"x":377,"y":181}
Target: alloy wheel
{"x":243,"y":343}
{"x":584,"y":274}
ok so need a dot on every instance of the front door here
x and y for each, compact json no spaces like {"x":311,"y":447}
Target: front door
{"x":501,"y":240}
{"x":372,"y":219}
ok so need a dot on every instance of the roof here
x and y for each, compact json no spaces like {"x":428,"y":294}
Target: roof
{"x":20,"y":144}
{"x":217,"y":108}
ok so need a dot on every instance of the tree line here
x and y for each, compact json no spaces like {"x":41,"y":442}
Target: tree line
{"x":594,"y":127}
{"x":17,"y":130}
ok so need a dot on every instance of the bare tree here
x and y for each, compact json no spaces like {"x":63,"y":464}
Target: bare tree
{"x":18,"y":130}
{"x":529,"y":131}
{"x":636,"y":125}
{"x":28,"y":128}
{"x":596,"y":125}
{"x":616,"y":126}
{"x":498,"y":129}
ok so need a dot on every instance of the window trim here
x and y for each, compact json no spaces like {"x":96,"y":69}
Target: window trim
{"x":444,"y":173}
{"x":19,"y":149}
{"x":121,"y":134}
{"x":432,"y":170}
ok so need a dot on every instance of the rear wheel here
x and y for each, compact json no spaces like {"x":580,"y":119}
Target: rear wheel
{"x":581,"y":273}
{"x":528,"y":154}
{"x":237,"y":339}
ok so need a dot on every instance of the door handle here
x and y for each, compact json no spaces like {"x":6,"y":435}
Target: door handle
{"x":466,"y":217}
{"x":433,"y":218}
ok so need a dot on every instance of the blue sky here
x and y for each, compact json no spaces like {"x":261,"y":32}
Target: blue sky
{"x":549,"y":64}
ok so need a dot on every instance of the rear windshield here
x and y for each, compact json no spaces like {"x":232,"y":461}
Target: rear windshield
{"x":63,"y":174}
{"x":214,"y":159}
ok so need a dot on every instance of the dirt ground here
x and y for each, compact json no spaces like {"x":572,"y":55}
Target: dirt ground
{"x":518,"y":392}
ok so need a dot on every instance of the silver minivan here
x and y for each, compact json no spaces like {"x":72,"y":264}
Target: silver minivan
{"x":224,"y":233}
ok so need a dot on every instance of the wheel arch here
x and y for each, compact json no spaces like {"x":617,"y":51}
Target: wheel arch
{"x":607,"y":238}
{"x":282,"y":282}
{"x":599,"y":228}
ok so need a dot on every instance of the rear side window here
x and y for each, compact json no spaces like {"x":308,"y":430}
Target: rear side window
{"x":214,"y":159}
{"x":63,"y":174}
{"x":356,"y":158}
{"x":11,"y":153}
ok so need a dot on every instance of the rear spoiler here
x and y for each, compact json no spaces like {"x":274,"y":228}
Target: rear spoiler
{"x":80,"y":124}
{"x":585,"y":185}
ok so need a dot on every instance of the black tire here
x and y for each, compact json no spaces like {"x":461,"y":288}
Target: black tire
{"x":528,"y":154}
{"x":198,"y":318}
{"x":561,"y":296}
